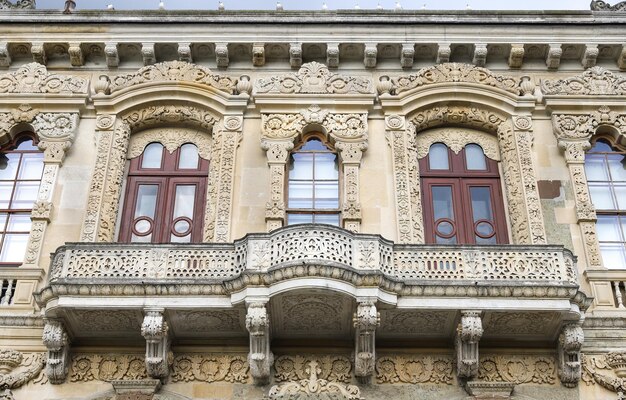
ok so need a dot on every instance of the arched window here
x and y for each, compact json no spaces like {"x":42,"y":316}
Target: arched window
{"x":21,"y":167}
{"x":462,"y":197}
{"x":605,"y":167}
{"x":313,"y":187}
{"x":165,"y":196}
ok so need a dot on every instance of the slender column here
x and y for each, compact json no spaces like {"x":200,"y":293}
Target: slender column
{"x":277,"y":152}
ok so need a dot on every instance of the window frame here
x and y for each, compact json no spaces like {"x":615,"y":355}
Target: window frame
{"x":167,"y":178}
{"x":314,"y":211}
{"x":11,"y":147}
{"x":461,"y":180}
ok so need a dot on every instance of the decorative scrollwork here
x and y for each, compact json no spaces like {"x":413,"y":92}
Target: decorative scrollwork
{"x":35,"y":78}
{"x":594,"y":81}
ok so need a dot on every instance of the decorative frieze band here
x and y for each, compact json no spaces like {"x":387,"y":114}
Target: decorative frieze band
{"x":34,"y":78}
{"x":594,"y":81}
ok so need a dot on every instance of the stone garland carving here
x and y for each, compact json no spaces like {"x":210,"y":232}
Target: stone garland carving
{"x":260,"y":357}
{"x":454,"y":72}
{"x":603,"y":6}
{"x":593,"y":81}
{"x":314,"y":78}
{"x":456,"y":139}
{"x":607,"y":370}
{"x":104,"y":193}
{"x":518,"y":369}
{"x":332,"y":368}
{"x":210,"y":368}
{"x":156,"y":332}
{"x":171,"y":139}
{"x":314,"y":386}
{"x":35,"y":78}
{"x":57,"y":342}
{"x":17,"y":369}
{"x":415,"y":369}
{"x":19,"y":4}
{"x":107,"y":367}
{"x":177,"y":71}
{"x":569,"y":345}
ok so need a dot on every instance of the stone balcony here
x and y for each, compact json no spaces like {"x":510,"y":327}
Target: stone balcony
{"x":309,"y":281}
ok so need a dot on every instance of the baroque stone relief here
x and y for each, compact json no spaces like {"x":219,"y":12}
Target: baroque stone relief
{"x":603,"y":6}
{"x":332,"y":368}
{"x":34,"y":78}
{"x":210,"y":368}
{"x":98,"y":321}
{"x":606,"y":370}
{"x":19,"y":4}
{"x":524,"y":324}
{"x":314,"y":78}
{"x":219,"y":322}
{"x":454,"y":72}
{"x":174,"y":71}
{"x":298,"y":314}
{"x":423,"y":323}
{"x":593,"y":81}
{"x":107,"y":367}
{"x":17,"y":369}
{"x":518,"y":369}
{"x":413,"y":369}
{"x":171,"y":139}
{"x":456,"y":139}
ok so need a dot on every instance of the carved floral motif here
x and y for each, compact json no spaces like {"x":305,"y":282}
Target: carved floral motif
{"x":331,"y":368}
{"x":17,"y":369}
{"x":517,"y":369}
{"x":107,"y":367}
{"x":415,"y":369}
{"x":210,"y":368}
{"x":171,"y":139}
{"x":314,"y":78}
{"x":174,"y":71}
{"x":455,"y":72}
{"x":35,"y":78}
{"x":456,"y":139}
{"x":593,"y":81}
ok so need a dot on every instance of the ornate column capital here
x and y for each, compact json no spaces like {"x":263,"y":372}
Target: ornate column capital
{"x":56,"y":340}
{"x":156,"y":332}
{"x":260,"y":357}
{"x":469,"y":333}
{"x":277,"y":151}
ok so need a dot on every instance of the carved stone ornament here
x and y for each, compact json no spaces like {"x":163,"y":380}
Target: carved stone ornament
{"x":468,"y":335}
{"x":17,"y":369}
{"x":57,"y":342}
{"x":314,"y":78}
{"x":415,"y":369}
{"x":56,"y":125}
{"x":107,"y":367}
{"x":210,"y":368}
{"x":34,"y":78}
{"x":570,"y":343}
{"x":314,"y":386}
{"x":332,"y":368}
{"x":155,"y":330}
{"x":602,"y":6}
{"x":260,"y":357}
{"x":18,"y":5}
{"x":456,"y":139}
{"x":174,"y":71}
{"x":607,"y":370}
{"x":455,"y":73}
{"x":594,"y":81}
{"x":518,"y":369}
{"x":366,"y":320}
{"x":171,"y":139}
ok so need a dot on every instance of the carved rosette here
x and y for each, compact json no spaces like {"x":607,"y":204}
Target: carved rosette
{"x":260,"y":357}
{"x":570,"y":343}
{"x":469,"y":332}
{"x":57,"y":342}
{"x":280,"y":131}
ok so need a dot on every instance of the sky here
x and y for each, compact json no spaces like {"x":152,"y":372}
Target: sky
{"x":317,"y":4}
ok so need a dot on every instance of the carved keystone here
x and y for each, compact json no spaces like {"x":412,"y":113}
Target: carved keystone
{"x":468,"y":334}
{"x":155,"y":330}
{"x":366,"y":320}
{"x":260,"y":357}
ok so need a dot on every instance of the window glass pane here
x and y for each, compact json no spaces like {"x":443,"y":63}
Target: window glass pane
{"x":301,"y":167}
{"x":475,"y":158}
{"x":613,"y":255}
{"x":8,"y":172}
{"x":180,"y":239}
{"x":442,"y":202}
{"x":188,"y":158}
{"x":146,"y":201}
{"x":326,"y":195}
{"x":441,"y":240}
{"x":300,"y":195}
{"x":601,"y":146}
{"x":3,"y":220}
{"x":293,"y":219}
{"x":623,"y":222}
{"x":617,"y":167}
{"x":5,"y":193}
{"x":326,"y":166}
{"x":489,"y":240}
{"x":27,"y":145}
{"x":314,"y":144}
{"x":141,"y":239}
{"x":601,"y":197}
{"x":438,"y":157}
{"x":19,"y":223}
{"x":608,"y":228}
{"x":330,"y":219}
{"x":595,"y":168}
{"x":481,"y":203}
{"x":152,"y":155}
{"x":32,"y":166}
{"x":25,"y":194}
{"x":14,"y":248}
{"x":620,"y":195}
{"x":184,"y":201}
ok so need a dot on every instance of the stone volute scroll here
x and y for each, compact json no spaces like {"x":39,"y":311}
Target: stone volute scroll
{"x":348,"y":131}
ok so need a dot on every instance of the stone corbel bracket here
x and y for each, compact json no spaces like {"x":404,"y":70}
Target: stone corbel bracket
{"x":57,"y":341}
{"x":366,"y":320}
{"x":570,"y":343}
{"x":469,"y":332}
{"x":156,"y":332}
{"x":349,"y":133}
{"x":260,"y":357}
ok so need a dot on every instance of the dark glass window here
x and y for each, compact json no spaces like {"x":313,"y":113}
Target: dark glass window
{"x":462,"y":197}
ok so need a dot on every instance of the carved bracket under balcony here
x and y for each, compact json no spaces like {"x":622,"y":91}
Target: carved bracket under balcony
{"x":366,"y":320}
{"x":469,"y":332}
{"x":570,"y":343}
{"x":156,"y":332}
{"x":260,"y":357}
{"x":56,"y":340}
